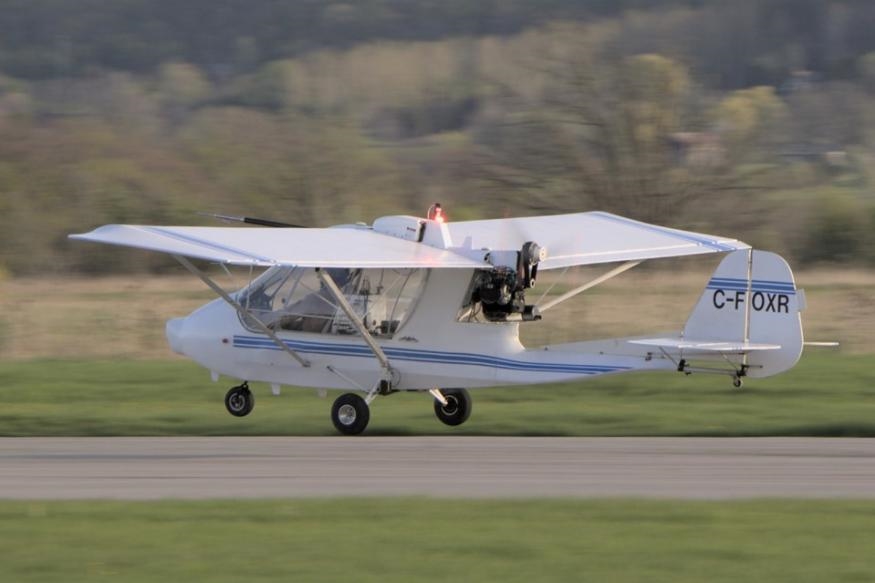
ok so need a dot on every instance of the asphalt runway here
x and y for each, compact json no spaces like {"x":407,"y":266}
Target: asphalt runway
{"x":471,"y":467}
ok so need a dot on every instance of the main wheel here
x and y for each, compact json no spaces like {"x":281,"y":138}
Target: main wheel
{"x":350,"y":414}
{"x":239,"y":401}
{"x":458,"y":407}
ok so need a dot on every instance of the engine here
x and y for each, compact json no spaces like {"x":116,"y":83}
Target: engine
{"x":502,"y":290}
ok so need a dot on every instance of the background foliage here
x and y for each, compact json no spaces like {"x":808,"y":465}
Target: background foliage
{"x":754,"y":119}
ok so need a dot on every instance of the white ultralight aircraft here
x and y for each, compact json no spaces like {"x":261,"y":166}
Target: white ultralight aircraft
{"x":421,"y":304}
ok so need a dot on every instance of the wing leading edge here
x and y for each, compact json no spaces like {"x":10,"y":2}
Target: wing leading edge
{"x":331,"y":247}
{"x":589,"y":238}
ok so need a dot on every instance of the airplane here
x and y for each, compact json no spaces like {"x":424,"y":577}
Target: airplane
{"x":424,"y":304}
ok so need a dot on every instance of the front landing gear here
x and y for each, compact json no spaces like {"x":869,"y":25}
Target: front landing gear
{"x":350,"y":414}
{"x":239,"y":401}
{"x":457,"y":409}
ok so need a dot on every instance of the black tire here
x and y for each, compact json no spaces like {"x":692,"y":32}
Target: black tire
{"x":239,"y":401}
{"x":458,"y":408}
{"x":350,"y":414}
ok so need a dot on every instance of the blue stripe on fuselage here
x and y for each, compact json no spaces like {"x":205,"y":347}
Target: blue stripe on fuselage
{"x":430,"y":356}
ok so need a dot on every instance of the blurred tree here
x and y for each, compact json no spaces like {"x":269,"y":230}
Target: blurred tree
{"x":837,"y":231}
{"x":866,"y":71}
{"x":310,"y":171}
{"x":269,"y":87}
{"x":832,"y":115}
{"x":182,"y":86}
{"x":46,"y":38}
{"x":609,"y":140}
{"x":750,"y":121}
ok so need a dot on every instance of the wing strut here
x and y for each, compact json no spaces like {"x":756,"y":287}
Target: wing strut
{"x":590,"y":284}
{"x":241,"y":310}
{"x":356,"y":321}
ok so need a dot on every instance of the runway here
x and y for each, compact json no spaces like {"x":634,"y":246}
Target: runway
{"x":471,"y":467}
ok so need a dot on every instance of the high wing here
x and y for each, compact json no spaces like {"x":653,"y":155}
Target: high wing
{"x":571,"y":239}
{"x":330,"y":247}
{"x":588,"y":238}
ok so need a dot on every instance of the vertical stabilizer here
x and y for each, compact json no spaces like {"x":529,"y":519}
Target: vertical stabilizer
{"x":752,"y":298}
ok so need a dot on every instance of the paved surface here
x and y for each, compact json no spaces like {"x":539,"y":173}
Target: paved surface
{"x":229,"y":467}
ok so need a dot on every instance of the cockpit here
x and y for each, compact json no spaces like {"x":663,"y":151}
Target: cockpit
{"x":295,"y":299}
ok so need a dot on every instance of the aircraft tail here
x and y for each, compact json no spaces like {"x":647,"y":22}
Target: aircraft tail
{"x":751,"y":300}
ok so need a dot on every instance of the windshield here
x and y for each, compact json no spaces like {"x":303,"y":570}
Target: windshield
{"x":294,"y":299}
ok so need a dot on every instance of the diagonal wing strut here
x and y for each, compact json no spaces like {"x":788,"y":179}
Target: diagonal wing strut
{"x":588,"y":285}
{"x":246,"y":314}
{"x":360,"y":327}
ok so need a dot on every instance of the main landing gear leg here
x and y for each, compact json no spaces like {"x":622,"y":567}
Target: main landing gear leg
{"x":239,"y":400}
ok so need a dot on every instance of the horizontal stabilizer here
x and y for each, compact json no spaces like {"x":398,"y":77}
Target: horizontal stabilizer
{"x":705,"y":345}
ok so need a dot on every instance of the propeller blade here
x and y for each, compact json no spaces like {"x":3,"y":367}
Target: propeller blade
{"x":253,"y":221}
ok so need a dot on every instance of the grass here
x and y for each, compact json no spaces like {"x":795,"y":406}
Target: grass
{"x":438,"y":540}
{"x":827,"y":394}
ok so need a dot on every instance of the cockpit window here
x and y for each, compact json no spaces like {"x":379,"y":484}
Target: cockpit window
{"x":294,"y":299}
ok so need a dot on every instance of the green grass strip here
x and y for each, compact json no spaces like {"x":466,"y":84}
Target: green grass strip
{"x":827,"y":394}
{"x":386,"y":540}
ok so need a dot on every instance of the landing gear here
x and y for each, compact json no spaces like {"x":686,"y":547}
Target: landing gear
{"x":458,"y":407}
{"x":350,"y":414}
{"x":739,"y":374}
{"x":239,"y":401}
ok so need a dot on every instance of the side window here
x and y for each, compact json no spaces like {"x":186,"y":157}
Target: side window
{"x":295,"y":300}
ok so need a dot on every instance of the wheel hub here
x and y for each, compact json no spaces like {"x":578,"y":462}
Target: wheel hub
{"x":346,"y":414}
{"x":452,"y":406}
{"x":237,"y":402}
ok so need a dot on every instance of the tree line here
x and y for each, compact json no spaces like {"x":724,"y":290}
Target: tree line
{"x":755,"y":121}
{"x":728,"y":44}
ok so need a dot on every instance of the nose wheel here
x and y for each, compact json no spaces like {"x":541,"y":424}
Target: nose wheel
{"x":457,"y":409}
{"x":239,"y":400}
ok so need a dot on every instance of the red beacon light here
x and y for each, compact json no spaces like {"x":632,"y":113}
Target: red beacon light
{"x":436,"y":213}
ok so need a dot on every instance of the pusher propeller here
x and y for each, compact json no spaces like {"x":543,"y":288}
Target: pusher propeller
{"x":253,"y":221}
